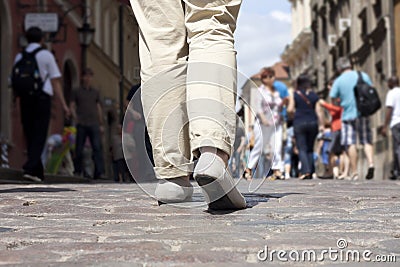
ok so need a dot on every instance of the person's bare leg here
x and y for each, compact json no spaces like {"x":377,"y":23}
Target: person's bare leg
{"x":344,"y":165}
{"x":369,"y":153}
{"x":287,"y":171}
{"x":334,"y":165}
{"x":352,"y":153}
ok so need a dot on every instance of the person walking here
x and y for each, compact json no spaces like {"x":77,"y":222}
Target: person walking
{"x":268,"y":108}
{"x":117,"y":156}
{"x":143,"y":170}
{"x":336,"y":150}
{"x":392,"y":119}
{"x":88,"y":115}
{"x":305,"y":105}
{"x":188,"y":73}
{"x":352,"y":123}
{"x":35,"y":105}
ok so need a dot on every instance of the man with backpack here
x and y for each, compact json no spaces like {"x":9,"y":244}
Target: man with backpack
{"x":353,"y":122}
{"x":35,"y":79}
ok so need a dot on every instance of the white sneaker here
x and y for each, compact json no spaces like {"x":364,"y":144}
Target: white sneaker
{"x":174,"y":190}
{"x":217,"y":184}
{"x":32,"y":178}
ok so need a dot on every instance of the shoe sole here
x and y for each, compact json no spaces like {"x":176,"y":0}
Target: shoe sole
{"x":223,"y":202}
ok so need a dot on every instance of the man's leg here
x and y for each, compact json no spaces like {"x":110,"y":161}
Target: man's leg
{"x":39,"y":135}
{"x":349,"y":140}
{"x":396,"y":150}
{"x":352,"y":154}
{"x":212,"y":74}
{"x":369,"y":153}
{"x":81,"y":135}
{"x":163,"y":53}
{"x":365,"y":136}
{"x":145,"y":168}
{"x":211,"y":95}
{"x":95,"y":141}
{"x":27,"y":119}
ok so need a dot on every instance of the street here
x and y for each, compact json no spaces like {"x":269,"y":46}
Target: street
{"x":119,"y":225}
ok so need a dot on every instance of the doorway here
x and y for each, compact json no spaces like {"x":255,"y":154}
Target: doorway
{"x":5,"y":69}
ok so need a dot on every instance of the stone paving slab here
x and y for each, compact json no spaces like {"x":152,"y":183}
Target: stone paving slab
{"x":119,"y":225}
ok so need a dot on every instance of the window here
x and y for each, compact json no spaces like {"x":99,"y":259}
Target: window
{"x":324,"y":29}
{"x":364,"y":23}
{"x":378,"y":8}
{"x":107,"y":32}
{"x":97,"y":17}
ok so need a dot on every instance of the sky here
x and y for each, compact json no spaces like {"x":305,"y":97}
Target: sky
{"x":263,"y":31}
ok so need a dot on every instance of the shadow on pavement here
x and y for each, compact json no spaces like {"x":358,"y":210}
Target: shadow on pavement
{"x":252,"y":199}
{"x":36,"y":190}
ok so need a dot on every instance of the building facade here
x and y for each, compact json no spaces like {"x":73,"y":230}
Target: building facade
{"x":298,"y":54}
{"x":396,"y":37}
{"x":362,"y":30}
{"x":367,"y":31}
{"x":103,"y":54}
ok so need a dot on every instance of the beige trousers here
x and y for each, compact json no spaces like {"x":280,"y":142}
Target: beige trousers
{"x":188,"y":72}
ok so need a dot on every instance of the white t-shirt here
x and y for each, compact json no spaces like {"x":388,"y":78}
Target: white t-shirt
{"x":47,"y":66}
{"x":393,"y":101}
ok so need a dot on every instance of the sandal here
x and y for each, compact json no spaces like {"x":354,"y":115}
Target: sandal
{"x":247,"y":174}
{"x":305,"y":176}
{"x":354,"y":176}
{"x":277,"y":175}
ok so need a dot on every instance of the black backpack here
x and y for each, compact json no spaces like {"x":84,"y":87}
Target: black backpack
{"x":367,"y":97}
{"x":25,"y":77}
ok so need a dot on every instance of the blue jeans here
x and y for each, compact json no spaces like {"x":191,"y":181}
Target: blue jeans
{"x":93,"y":132}
{"x":305,"y":134}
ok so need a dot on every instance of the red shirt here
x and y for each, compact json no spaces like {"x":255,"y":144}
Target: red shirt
{"x":336,"y":113}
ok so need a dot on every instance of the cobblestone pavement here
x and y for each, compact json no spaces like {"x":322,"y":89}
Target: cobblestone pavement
{"x":119,"y":225}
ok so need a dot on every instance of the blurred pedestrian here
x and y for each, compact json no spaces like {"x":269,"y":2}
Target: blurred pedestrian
{"x":352,"y":123}
{"x":291,"y":156}
{"x":324,"y":142}
{"x":36,"y":78}
{"x":239,"y":147}
{"x":304,"y":103}
{"x":143,"y":152}
{"x":118,"y":161}
{"x":88,"y":115}
{"x":392,"y":118}
{"x":189,"y":46}
{"x":336,"y":150}
{"x":268,"y":127}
